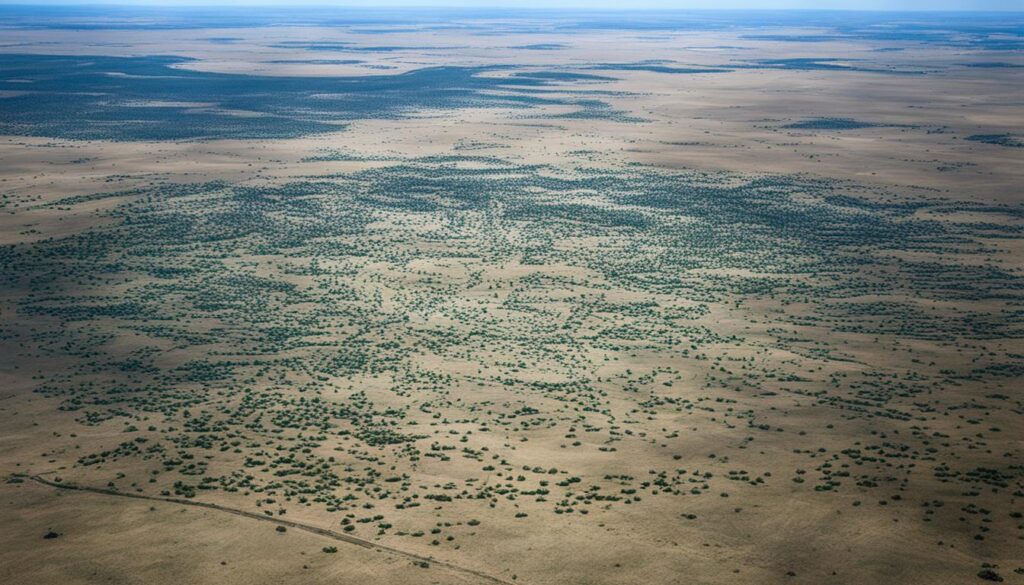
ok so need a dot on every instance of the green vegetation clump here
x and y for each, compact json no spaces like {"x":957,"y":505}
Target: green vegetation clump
{"x":1007,"y":140}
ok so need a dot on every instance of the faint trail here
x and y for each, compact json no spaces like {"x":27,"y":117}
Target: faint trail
{"x":341,"y":537}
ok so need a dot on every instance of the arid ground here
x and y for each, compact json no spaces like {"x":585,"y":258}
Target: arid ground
{"x":471,"y":297}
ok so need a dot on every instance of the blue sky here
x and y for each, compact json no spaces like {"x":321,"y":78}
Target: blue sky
{"x":929,"y":5}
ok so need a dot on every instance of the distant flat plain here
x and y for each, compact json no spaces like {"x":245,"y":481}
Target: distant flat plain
{"x":544,"y":299}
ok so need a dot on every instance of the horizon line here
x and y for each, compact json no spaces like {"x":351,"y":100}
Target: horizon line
{"x":390,"y":7}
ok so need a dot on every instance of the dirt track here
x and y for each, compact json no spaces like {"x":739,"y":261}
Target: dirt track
{"x":288,"y":523}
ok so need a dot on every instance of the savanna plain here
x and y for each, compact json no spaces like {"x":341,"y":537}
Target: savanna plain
{"x":461,"y":297}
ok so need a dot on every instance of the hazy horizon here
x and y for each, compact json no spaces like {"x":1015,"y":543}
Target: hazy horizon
{"x":580,"y":5}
